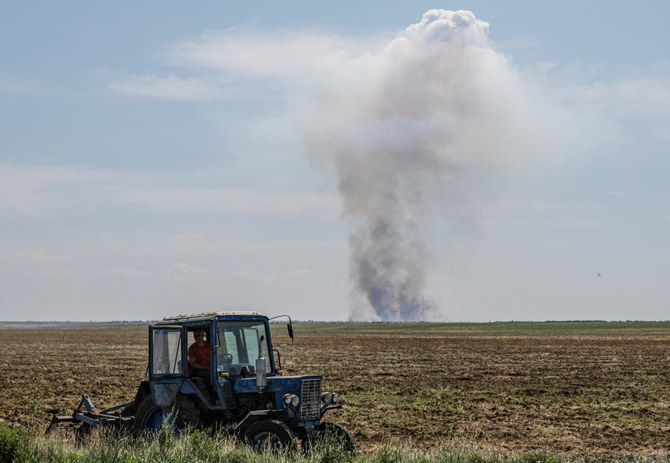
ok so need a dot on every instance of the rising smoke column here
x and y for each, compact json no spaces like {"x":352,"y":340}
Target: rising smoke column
{"x":406,"y":128}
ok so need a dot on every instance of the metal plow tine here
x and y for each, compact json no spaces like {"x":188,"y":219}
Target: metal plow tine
{"x":58,"y":423}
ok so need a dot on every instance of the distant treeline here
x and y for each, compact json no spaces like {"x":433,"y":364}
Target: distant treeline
{"x":70,"y":324}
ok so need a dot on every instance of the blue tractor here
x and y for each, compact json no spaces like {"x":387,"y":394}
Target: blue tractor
{"x":242,"y":390}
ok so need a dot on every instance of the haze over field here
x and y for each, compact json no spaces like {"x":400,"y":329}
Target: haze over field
{"x":351,"y":161}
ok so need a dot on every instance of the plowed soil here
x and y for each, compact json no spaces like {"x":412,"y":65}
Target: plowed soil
{"x":574,"y":389}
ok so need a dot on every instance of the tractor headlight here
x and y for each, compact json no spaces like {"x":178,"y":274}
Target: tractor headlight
{"x":327,"y":398}
{"x":291,"y":400}
{"x":335,"y":397}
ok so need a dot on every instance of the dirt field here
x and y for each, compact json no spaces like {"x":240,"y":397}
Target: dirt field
{"x":577,"y":389}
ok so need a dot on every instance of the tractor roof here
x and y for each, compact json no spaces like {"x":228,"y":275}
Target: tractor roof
{"x":204,"y":316}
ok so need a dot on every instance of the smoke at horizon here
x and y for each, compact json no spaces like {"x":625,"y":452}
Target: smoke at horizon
{"x":408,"y":129}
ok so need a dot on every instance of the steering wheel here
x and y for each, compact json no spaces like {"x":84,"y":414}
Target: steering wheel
{"x":227,"y":358}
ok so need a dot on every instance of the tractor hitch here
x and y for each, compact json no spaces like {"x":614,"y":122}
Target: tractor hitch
{"x":84,"y":417}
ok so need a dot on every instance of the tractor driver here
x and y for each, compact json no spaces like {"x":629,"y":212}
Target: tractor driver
{"x":200,"y":352}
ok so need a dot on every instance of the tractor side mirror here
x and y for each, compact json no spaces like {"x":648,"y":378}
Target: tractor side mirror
{"x":289,"y":327}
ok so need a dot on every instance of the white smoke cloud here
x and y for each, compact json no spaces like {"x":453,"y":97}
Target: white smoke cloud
{"x":415,"y":126}
{"x":408,"y":130}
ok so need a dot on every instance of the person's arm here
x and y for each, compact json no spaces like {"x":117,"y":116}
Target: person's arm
{"x":191,"y":357}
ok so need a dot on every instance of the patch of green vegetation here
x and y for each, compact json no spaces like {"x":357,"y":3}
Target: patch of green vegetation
{"x":198,"y":447}
{"x":13,"y":445}
{"x":519,"y":328}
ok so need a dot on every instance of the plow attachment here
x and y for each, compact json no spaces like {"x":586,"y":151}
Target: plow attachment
{"x":85,"y":417}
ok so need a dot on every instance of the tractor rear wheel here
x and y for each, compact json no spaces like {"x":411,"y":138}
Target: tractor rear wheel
{"x":187,"y":412}
{"x":270,"y":435}
{"x":150,"y":418}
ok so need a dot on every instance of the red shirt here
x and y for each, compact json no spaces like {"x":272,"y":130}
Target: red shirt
{"x":202,"y":354}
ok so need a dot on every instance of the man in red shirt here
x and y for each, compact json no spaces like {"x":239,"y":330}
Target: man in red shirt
{"x":200,"y":352}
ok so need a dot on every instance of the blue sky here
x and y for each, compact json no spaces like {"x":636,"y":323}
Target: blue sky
{"x":154,"y":159}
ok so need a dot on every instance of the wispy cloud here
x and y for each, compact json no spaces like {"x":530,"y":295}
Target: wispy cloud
{"x":10,"y":83}
{"x":239,"y":63}
{"x":648,"y":97}
{"x":276,"y":54}
{"x":229,"y":200}
{"x":518,"y":43}
{"x":124,"y":272}
{"x":662,"y":132}
{"x":270,"y":277}
{"x":180,"y":271}
{"x":34,"y":262}
{"x":515,"y":206}
{"x":49,"y":191}
{"x":171,"y":87}
{"x":38,"y":191}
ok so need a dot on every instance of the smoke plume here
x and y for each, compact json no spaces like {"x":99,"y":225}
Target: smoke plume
{"x":406,"y":127}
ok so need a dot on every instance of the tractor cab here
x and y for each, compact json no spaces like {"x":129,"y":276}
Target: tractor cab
{"x":212,"y":352}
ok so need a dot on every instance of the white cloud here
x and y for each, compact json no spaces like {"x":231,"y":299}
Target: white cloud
{"x":49,"y":191}
{"x":177,"y":271}
{"x":596,"y":89}
{"x":247,"y":64}
{"x":44,"y":191}
{"x":628,"y":98}
{"x":171,"y":87}
{"x":35,"y":262}
{"x":38,"y":256}
{"x":270,"y":277}
{"x":511,"y":206}
{"x":246,"y":275}
{"x":230,"y":200}
{"x":518,"y":43}
{"x":12,"y":84}
{"x":277,"y":54}
{"x":662,"y":132}
{"x":124,"y":272}
{"x":180,"y":271}
{"x":200,"y":243}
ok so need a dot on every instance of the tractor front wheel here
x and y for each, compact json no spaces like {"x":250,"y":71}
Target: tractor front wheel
{"x":270,"y":435}
{"x":329,"y":435}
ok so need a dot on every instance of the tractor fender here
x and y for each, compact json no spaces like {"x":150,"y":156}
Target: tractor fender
{"x":328,"y":407}
{"x":252,"y":417}
{"x":142,"y":391}
{"x":164,"y":391}
{"x":188,"y":388}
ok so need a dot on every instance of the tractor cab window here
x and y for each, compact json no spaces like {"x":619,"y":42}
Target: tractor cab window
{"x":240,"y":344}
{"x":199,"y":349}
{"x":167,"y":352}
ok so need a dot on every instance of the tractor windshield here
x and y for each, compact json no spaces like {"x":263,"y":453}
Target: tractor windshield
{"x":240,"y":343}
